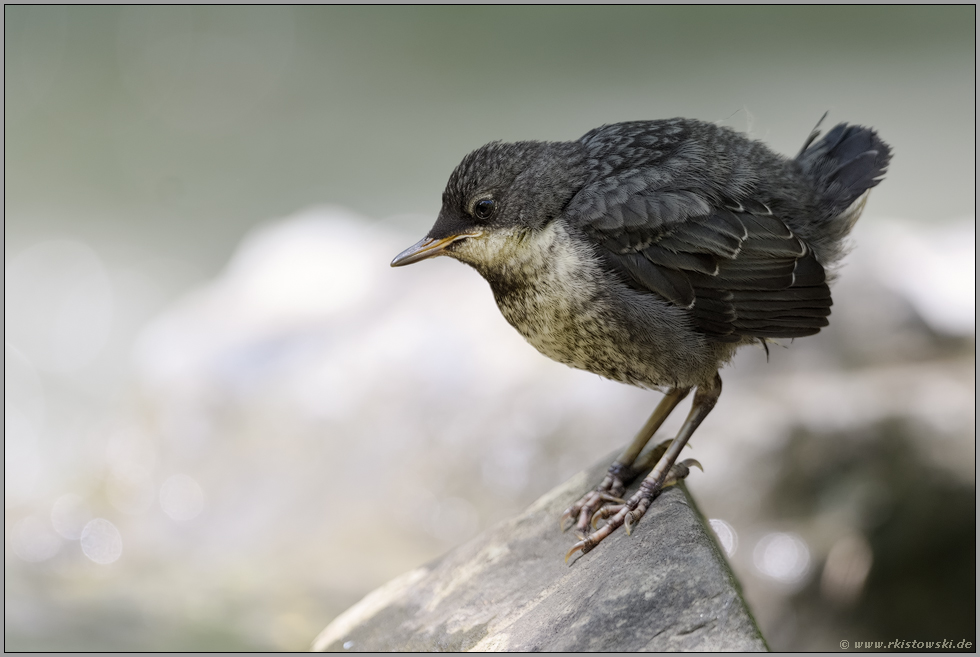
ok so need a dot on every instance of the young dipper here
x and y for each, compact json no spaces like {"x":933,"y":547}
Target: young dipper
{"x":648,"y":252}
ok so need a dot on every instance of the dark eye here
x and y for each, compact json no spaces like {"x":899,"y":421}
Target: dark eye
{"x":484,"y":209}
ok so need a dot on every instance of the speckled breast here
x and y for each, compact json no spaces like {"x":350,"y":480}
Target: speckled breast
{"x":560,"y":308}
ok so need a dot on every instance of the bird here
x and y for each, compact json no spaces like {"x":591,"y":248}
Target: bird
{"x":648,"y":252}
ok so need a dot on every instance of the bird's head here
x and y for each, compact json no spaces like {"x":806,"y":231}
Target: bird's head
{"x":496,"y":197}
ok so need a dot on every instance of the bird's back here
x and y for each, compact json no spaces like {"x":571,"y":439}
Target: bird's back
{"x":687,"y":162}
{"x":720,"y":225}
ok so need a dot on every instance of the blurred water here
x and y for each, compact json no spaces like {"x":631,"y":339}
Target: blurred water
{"x":221,"y":429}
{"x":179,"y":127}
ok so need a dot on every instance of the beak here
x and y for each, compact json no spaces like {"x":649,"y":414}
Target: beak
{"x":427,"y":248}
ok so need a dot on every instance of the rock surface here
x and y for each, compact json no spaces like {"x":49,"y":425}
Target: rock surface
{"x":666,"y":587}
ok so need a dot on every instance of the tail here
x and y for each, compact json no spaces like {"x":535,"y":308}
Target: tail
{"x":843,"y":167}
{"x":845,"y":164}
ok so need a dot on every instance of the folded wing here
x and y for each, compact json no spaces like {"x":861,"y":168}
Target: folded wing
{"x":735,"y":266}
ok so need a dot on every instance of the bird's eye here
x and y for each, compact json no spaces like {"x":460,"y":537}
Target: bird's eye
{"x":484,"y":209}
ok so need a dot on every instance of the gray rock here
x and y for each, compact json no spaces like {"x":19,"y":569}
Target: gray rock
{"x":666,"y":587}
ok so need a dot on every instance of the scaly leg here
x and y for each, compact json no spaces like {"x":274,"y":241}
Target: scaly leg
{"x":621,"y":472}
{"x":629,"y":513}
{"x":677,"y":473}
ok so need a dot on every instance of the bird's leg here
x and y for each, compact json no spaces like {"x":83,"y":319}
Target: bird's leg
{"x":665,"y":472}
{"x":622,"y":471}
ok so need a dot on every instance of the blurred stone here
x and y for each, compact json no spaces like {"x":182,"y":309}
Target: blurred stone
{"x":894,"y":530}
{"x":666,"y":587}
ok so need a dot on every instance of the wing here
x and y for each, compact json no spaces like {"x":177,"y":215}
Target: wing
{"x":738,"y":269}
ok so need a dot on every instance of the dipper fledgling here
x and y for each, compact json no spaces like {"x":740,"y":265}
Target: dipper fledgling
{"x":648,"y":252}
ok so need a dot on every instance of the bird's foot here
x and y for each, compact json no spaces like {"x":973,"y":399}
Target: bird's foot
{"x":609,"y":491}
{"x":628,"y":513}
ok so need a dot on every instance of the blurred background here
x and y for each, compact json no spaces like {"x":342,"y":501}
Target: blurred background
{"x":226,"y":419}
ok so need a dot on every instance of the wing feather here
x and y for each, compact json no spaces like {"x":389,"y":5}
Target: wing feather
{"x":731,"y":261}
{"x":740,"y":274}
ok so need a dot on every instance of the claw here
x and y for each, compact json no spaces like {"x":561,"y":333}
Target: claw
{"x":679,"y":471}
{"x":582,"y":545}
{"x":628,"y":523}
{"x":608,"y":497}
{"x":689,"y":462}
{"x":565,"y":517}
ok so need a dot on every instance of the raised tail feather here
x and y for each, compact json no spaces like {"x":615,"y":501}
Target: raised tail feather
{"x":846,"y":163}
{"x":842,"y":166}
